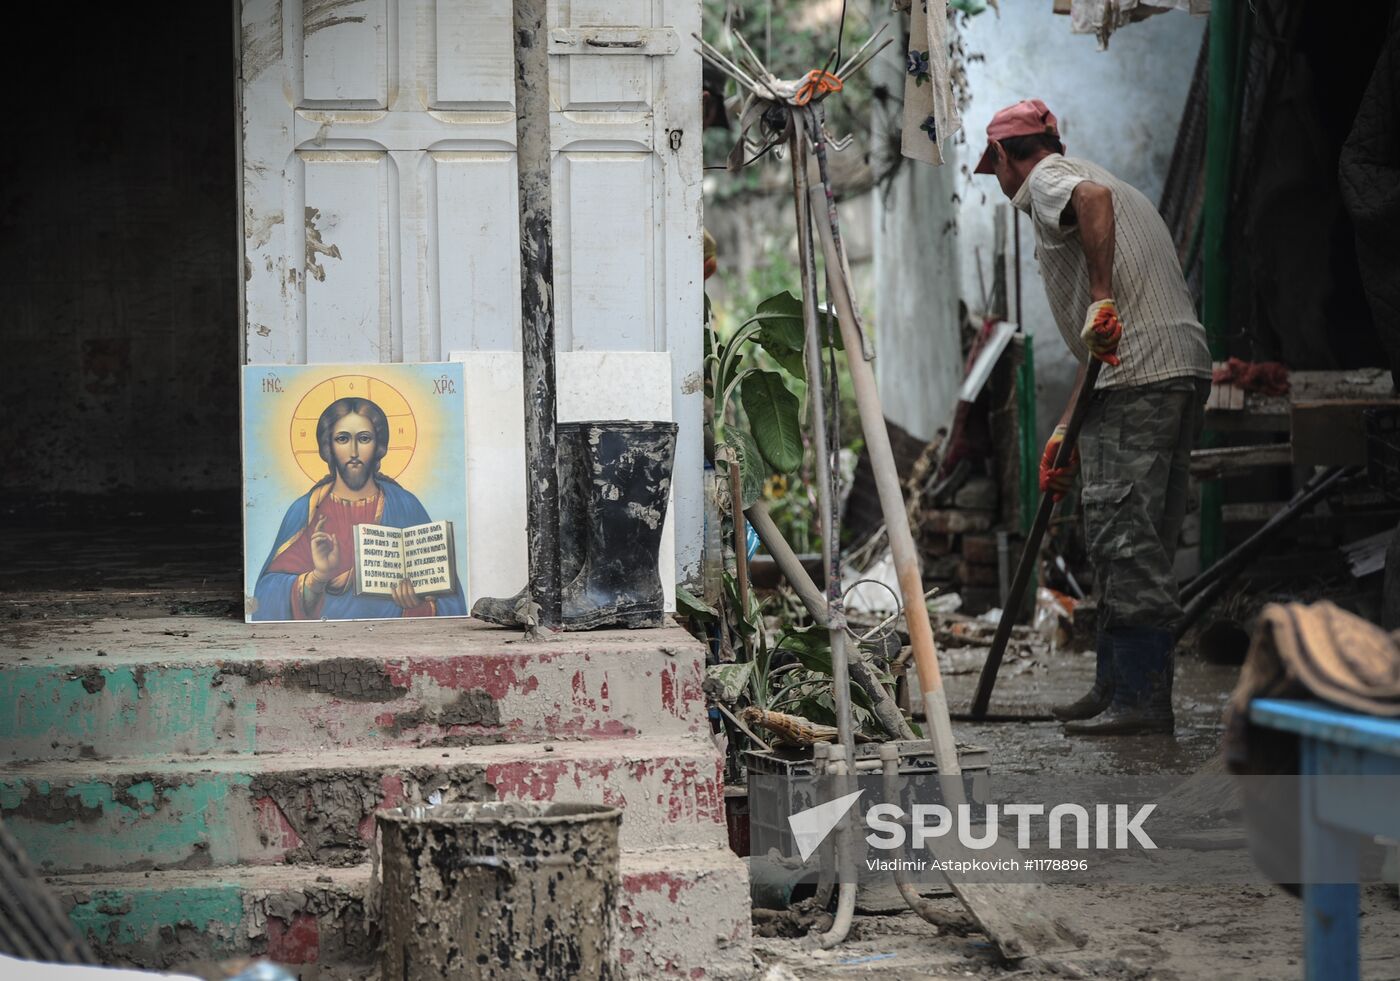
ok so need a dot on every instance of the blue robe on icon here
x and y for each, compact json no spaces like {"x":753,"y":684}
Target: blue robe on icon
{"x":278,"y":590}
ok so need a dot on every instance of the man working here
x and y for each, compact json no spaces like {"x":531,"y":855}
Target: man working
{"x":1117,"y":293}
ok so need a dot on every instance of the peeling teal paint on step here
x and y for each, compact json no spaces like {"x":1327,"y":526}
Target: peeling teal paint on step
{"x":146,"y":824}
{"x":144,"y":794}
{"x":116,"y":918}
{"x":181,"y":709}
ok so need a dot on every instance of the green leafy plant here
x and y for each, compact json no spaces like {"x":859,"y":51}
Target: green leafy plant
{"x":767,"y":439}
{"x":756,"y":385}
{"x":794,"y":676}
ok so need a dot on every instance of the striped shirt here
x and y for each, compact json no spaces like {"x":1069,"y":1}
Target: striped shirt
{"x":1161,"y":336}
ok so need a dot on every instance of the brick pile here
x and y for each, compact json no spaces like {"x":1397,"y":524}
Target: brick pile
{"x":958,"y":542}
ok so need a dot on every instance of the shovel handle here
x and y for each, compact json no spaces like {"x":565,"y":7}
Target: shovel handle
{"x":1031,"y":550}
{"x":887,"y":484}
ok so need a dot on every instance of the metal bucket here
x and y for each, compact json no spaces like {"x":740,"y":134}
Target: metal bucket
{"x":499,"y":889}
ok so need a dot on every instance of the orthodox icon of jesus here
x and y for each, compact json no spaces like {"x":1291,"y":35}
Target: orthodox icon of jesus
{"x":357,"y":545}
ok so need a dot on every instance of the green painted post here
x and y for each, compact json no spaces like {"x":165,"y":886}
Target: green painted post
{"x":1221,"y":117}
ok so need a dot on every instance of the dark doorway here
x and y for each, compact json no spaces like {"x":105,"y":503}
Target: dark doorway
{"x":119,"y":266}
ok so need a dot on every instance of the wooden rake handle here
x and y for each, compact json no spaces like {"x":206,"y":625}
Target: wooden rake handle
{"x":1030,"y":552}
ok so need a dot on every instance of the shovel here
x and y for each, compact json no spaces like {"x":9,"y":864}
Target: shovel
{"x":1020,"y":918}
{"x":1029,"y":553}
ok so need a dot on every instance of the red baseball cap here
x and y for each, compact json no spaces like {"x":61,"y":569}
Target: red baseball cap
{"x":1026,"y":118}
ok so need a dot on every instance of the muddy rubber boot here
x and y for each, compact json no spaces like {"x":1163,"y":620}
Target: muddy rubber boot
{"x":569,"y":464}
{"x":1142,"y":691}
{"x":628,"y":481}
{"x":1100,"y":695}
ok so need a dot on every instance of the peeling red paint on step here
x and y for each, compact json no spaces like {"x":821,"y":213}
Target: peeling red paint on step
{"x":294,"y":942}
{"x":709,"y":795}
{"x":580,"y":726}
{"x":579,"y":686}
{"x":274,"y":830}
{"x":668,"y":690}
{"x":692,"y":692}
{"x":679,"y":694}
{"x":596,"y":768}
{"x":692,"y":792}
{"x":671,"y":884}
{"x":526,"y":780}
{"x":687,"y":792}
{"x":317,"y":748}
{"x":630,"y":919}
{"x":497,"y":676}
{"x":392,"y":795}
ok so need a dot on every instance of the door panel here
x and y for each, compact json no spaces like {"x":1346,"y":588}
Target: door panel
{"x":477,"y":262}
{"x":348,"y":264}
{"x":609,"y":200}
{"x":475,"y":65}
{"x":345,"y":53}
{"x":613,"y":80}
{"x":380,"y":187}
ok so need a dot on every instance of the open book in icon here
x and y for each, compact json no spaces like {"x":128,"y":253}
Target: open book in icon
{"x":423,"y":554}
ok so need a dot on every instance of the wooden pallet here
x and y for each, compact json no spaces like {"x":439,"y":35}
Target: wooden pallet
{"x":1322,"y":413}
{"x":1231,"y":409}
{"x":1320,"y":422}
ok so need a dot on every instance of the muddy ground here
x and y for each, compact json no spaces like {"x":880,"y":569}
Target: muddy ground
{"x":1167,"y":932}
{"x":1140,"y":932}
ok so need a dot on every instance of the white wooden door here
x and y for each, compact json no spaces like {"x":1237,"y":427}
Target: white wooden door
{"x":379,"y":188}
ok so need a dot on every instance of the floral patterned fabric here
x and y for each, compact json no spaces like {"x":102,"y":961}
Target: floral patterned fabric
{"x":930,"y":111}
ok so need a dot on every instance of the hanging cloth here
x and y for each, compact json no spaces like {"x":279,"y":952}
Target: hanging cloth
{"x":930,"y":111}
{"x":1102,"y":17}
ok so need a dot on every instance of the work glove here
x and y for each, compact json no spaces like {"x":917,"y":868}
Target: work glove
{"x":1102,"y":331}
{"x":1057,"y":480}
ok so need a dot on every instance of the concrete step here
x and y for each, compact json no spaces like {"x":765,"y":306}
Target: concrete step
{"x":168,"y":686}
{"x":682,"y":912}
{"x":318,"y":807}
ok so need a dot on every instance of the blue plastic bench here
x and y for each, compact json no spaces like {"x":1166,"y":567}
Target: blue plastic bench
{"x":1337,"y":817}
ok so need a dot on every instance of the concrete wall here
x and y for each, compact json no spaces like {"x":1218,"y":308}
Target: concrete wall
{"x":119,"y":258}
{"x":919,"y":365}
{"x":1119,"y":107}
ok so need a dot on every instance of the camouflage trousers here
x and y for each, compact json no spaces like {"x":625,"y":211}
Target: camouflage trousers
{"x":1134,"y":451}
